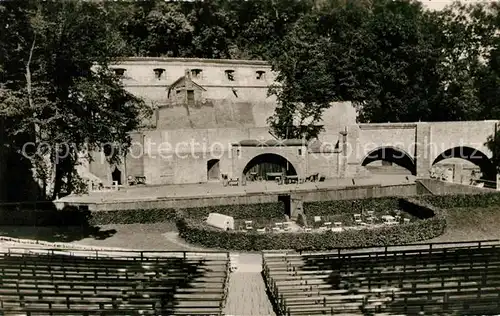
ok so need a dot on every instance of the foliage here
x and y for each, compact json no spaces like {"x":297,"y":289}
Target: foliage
{"x":145,"y":216}
{"x":462,"y":200}
{"x":394,"y":60}
{"x":359,"y":206}
{"x":431,"y":225}
{"x":240,"y":211}
{"x":51,"y":89}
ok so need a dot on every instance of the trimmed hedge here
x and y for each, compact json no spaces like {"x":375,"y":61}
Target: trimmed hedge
{"x":431,"y":225}
{"x":74,"y":216}
{"x":336,"y":207}
{"x":67,"y":217}
{"x":240,"y":211}
{"x":462,"y":200}
{"x":147,"y":216}
{"x":243,"y":211}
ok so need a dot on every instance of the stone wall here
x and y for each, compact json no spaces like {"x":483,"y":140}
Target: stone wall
{"x":298,"y":196}
{"x":437,"y":187}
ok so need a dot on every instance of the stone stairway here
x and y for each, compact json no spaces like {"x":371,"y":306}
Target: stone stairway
{"x":247,"y":291}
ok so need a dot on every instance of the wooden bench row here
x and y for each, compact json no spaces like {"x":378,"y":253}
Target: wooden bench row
{"x":52,"y":285}
{"x":457,"y":279}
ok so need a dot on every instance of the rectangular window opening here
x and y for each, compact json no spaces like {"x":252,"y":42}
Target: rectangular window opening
{"x":196,"y":73}
{"x":158,"y":72}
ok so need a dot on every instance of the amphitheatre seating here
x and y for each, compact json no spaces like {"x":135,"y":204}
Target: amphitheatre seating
{"x":42,"y":282}
{"x":429,"y":280}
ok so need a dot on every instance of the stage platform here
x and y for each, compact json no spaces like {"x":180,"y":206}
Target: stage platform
{"x":216,"y":189}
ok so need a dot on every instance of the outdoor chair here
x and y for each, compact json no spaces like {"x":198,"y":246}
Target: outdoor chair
{"x":248,"y":225}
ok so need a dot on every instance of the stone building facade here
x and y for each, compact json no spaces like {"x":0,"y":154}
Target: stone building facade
{"x":203,"y":109}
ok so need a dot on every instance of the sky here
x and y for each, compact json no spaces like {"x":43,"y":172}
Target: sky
{"x":440,"y":4}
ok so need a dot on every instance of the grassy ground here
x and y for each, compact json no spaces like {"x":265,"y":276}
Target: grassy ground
{"x":471,"y":224}
{"x":136,"y":236}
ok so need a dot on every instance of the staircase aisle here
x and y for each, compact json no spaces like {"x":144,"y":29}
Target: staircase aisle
{"x":247,"y":291}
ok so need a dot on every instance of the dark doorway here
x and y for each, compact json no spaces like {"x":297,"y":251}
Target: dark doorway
{"x":213,"y":169}
{"x":263,"y":164}
{"x":190,"y":97}
{"x":287,"y":204}
{"x":116,"y":175}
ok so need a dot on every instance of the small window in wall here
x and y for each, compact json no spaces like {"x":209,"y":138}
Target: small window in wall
{"x":230,"y":74}
{"x":158,"y":73}
{"x":119,"y":72}
{"x":108,"y":150}
{"x":196,"y":73}
{"x":261,"y":75}
{"x":300,"y":152}
{"x":190,"y":97}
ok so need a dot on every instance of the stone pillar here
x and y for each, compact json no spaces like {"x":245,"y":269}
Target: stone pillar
{"x":343,"y":154}
{"x":423,"y":142}
{"x":457,"y":173}
{"x":296,"y":206}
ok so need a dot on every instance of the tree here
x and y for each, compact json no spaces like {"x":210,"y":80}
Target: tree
{"x":317,"y":66}
{"x":76,"y":105}
{"x":394,"y":60}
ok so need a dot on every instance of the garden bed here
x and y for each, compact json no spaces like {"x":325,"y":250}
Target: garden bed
{"x":430,"y":223}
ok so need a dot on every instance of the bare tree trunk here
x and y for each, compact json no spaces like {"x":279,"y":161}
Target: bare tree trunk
{"x":36,"y":163}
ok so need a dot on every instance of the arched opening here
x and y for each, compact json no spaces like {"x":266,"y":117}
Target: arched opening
{"x":116,"y":175}
{"x":389,"y":160}
{"x":268,"y":166}
{"x":478,"y":163}
{"x":213,"y":169}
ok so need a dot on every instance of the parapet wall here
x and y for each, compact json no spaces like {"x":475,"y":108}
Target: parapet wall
{"x":437,"y":187}
{"x":345,"y":193}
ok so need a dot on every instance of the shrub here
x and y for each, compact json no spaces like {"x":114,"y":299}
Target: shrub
{"x":431,"y":225}
{"x":462,"y":200}
{"x":337,"y":207}
{"x":240,"y":211}
{"x":45,"y":214}
{"x":147,"y":216}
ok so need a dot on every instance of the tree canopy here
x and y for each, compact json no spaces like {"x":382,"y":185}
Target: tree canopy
{"x":395,"y":60}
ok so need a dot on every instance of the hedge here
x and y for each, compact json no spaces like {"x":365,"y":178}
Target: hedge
{"x":74,"y":216}
{"x":462,"y":200}
{"x":432,"y":224}
{"x":242,"y":211}
{"x":358,"y":206}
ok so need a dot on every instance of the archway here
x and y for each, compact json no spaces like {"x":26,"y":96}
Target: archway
{"x":116,"y":175}
{"x":265,"y":164}
{"x":213,"y":169}
{"x":388,"y":156}
{"x":475,"y":157}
